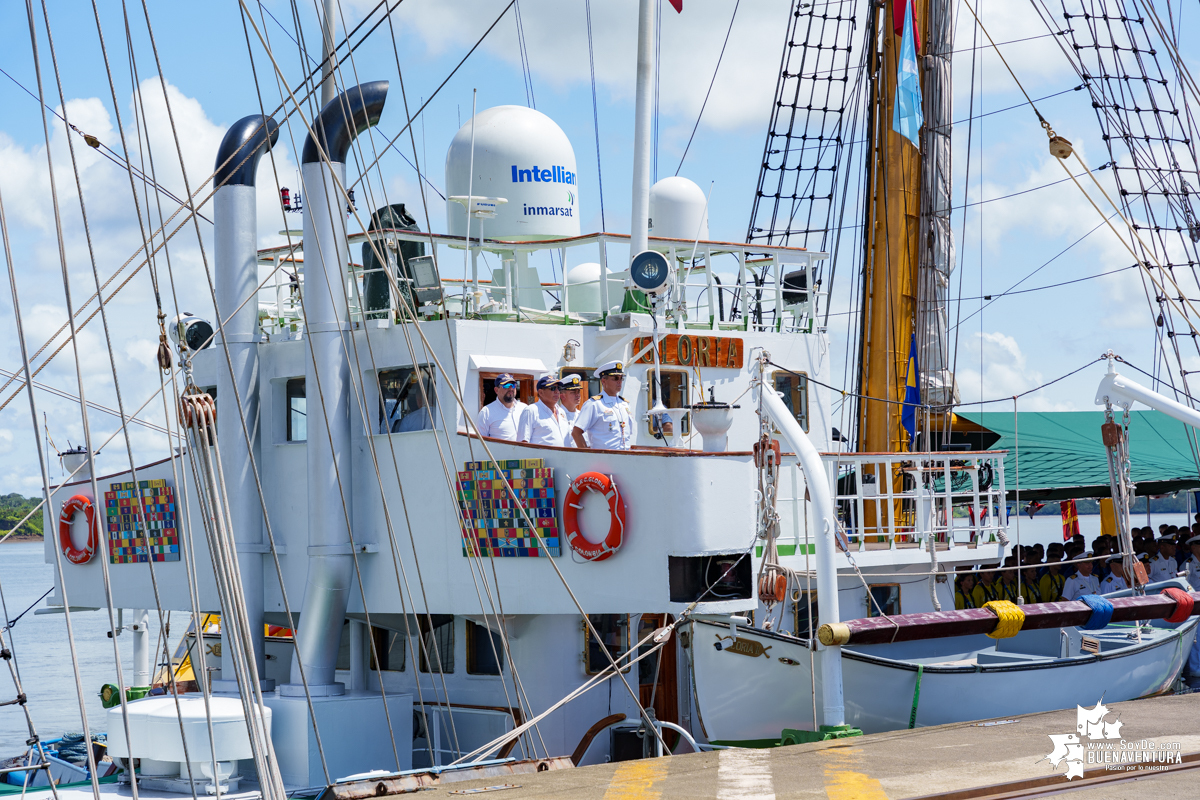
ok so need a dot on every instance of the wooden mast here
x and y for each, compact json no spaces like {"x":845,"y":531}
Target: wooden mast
{"x":890,"y":266}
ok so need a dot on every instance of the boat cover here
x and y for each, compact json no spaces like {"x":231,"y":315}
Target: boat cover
{"x":1062,"y":457}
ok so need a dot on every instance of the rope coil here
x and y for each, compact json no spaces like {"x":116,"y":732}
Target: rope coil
{"x":1009,"y":618}
{"x":1102,"y":611}
{"x":1183,"y":604}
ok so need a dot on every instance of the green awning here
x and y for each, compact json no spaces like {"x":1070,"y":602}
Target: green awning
{"x":1062,"y":456}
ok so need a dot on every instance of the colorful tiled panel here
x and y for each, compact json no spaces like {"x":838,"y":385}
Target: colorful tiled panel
{"x":493,"y":524}
{"x":127,"y":541}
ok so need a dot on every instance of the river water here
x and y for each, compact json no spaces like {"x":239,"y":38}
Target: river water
{"x":41,"y":651}
{"x":43,"y":656}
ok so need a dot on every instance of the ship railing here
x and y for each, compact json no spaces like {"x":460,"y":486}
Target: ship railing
{"x":717,"y":285}
{"x":886,"y":500}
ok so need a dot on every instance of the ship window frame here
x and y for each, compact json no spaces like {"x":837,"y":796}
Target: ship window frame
{"x":400,"y":375}
{"x":798,"y":389}
{"x":445,"y":643}
{"x":652,"y":396}
{"x":473,"y":629}
{"x":871,"y":610}
{"x":289,"y":395}
{"x":799,"y":603}
{"x":588,"y":641}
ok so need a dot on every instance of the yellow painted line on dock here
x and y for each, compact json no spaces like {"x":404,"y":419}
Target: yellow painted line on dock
{"x":635,"y":780}
{"x":842,"y":783}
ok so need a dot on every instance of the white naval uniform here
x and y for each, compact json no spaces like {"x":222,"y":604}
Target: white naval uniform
{"x":1193,"y":572}
{"x":570,"y":416}
{"x":606,"y":422}
{"x":499,"y":421}
{"x":541,"y":424}
{"x":1193,"y":578}
{"x":1162,"y":568}
{"x":1078,"y":585}
{"x":1112,"y":584}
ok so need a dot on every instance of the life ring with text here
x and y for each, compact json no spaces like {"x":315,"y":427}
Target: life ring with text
{"x":74,"y":554}
{"x":594,"y":551}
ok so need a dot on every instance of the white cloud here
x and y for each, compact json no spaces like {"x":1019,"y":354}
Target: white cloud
{"x":6,"y":440}
{"x":556,"y":41}
{"x":1006,"y":373}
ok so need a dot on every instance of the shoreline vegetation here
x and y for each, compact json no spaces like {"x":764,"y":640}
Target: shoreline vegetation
{"x":13,"y":507}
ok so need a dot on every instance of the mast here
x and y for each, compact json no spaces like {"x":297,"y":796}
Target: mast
{"x":936,"y":260}
{"x":639,"y":225}
{"x":328,"y":29}
{"x":890,"y":266}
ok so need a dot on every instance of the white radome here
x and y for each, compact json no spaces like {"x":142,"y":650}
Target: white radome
{"x":678,"y":210}
{"x":583,"y":281}
{"x":523,"y":156}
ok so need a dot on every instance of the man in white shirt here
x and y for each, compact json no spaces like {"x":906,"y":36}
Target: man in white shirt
{"x":1115,"y":581}
{"x":1163,"y":566}
{"x":1082,"y":582}
{"x":544,"y":422}
{"x":570,"y":394}
{"x":1192,"y":565}
{"x":499,"y":418}
{"x":605,"y":419}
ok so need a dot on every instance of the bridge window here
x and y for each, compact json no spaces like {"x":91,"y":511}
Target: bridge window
{"x":614,"y":634}
{"x":885,"y":598}
{"x":437,"y":638}
{"x":297,"y":407}
{"x":794,"y":387}
{"x":407,"y":401}
{"x":485,"y":650}
{"x":675,"y":388}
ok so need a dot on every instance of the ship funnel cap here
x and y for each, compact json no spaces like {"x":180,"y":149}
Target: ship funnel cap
{"x":342,"y":119}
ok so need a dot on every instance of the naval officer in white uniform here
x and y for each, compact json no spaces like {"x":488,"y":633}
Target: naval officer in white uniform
{"x":570,"y":393}
{"x":499,"y":418}
{"x":545,"y":422}
{"x":1163,"y":566}
{"x":605,"y":419}
{"x":1115,"y":581}
{"x":1082,"y":582}
{"x":1192,"y":565}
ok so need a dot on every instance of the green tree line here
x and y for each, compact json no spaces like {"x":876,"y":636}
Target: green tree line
{"x":13,"y":507}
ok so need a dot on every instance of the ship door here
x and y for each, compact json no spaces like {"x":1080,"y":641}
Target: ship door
{"x":525,"y":387}
{"x":658,"y":676}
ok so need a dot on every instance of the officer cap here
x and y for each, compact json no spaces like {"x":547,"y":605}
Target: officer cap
{"x":1166,"y":540}
{"x":1113,"y":558}
{"x":611,"y":368}
{"x":571,"y":381}
{"x":1193,"y":540}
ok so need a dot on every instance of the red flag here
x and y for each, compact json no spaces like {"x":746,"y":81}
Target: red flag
{"x":1070,"y":518}
{"x":898,"y":9}
{"x":677,"y":5}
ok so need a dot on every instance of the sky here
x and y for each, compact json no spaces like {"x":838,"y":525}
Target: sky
{"x":196,"y":71}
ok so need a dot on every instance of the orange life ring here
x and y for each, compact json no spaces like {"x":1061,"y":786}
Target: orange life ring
{"x":594,"y":551}
{"x":78,"y":503}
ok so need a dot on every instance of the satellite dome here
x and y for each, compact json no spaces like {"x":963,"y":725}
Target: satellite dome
{"x":678,"y":210}
{"x":522,"y":156}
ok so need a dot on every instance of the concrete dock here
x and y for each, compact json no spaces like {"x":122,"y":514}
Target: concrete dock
{"x":997,"y":759}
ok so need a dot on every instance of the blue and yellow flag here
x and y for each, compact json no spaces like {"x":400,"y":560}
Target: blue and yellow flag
{"x":907,"y":116}
{"x":912,"y":392}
